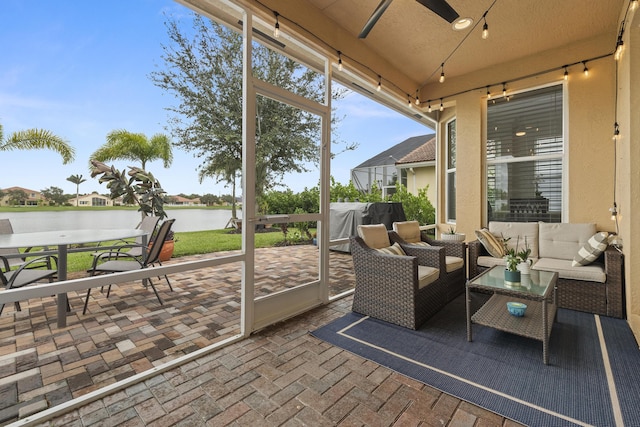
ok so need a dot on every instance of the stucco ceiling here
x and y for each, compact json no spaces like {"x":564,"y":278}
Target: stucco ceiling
{"x":418,"y":41}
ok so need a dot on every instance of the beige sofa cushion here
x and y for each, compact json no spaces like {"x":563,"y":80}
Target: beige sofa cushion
{"x":409,"y":231}
{"x":563,"y":240}
{"x":514,"y":229}
{"x":375,"y":236}
{"x":489,"y":261}
{"x":590,"y":273}
{"x":427,"y":275}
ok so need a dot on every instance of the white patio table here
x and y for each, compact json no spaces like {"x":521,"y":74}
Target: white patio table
{"x":62,"y":239}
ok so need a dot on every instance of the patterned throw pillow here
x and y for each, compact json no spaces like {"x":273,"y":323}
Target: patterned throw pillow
{"x":394,"y":249}
{"x":592,"y":249}
{"x":491,"y":243}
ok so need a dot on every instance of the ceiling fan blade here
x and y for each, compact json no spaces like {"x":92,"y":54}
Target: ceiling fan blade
{"x":384,"y":4}
{"x":441,"y":8}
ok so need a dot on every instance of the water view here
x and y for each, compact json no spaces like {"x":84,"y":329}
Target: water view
{"x":186,"y":219}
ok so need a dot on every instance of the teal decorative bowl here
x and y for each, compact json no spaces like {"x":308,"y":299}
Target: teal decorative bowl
{"x":516,"y":308}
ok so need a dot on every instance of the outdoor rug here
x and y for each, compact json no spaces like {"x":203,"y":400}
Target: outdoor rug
{"x":593,"y":375}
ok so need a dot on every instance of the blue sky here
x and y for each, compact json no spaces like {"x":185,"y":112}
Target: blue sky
{"x":80,"y":70}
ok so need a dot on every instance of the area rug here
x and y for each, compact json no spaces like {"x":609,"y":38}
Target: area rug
{"x":593,"y":375}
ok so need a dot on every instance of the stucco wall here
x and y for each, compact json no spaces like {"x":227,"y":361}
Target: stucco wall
{"x":423,"y":176}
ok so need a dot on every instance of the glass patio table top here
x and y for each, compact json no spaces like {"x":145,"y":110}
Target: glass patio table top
{"x":536,"y":285}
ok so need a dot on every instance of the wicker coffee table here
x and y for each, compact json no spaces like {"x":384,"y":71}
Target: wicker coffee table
{"x":536,"y":290}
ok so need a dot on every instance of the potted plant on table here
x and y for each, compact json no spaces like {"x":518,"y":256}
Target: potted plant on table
{"x":511,"y":272}
{"x":141,"y":188}
{"x":524,"y":266}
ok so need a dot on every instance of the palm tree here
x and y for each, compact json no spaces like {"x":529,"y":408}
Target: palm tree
{"x":77,"y":180}
{"x":125,"y":145}
{"x":37,"y":139}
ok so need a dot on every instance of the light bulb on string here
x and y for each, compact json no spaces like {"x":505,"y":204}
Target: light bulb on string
{"x":488,"y":93}
{"x":616,"y":132}
{"x":409,"y":101}
{"x":504,"y":89}
{"x":566,"y":73}
{"x":485,"y":30}
{"x":442,"y":73}
{"x":339,"y":61}
{"x":276,"y":30}
{"x":586,"y":70}
{"x":619,"y":48}
{"x":429,"y":106}
{"x":417,"y":96}
{"x":379,"y":84}
{"x":441,"y":105}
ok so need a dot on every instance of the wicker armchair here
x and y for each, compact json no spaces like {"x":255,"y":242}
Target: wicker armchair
{"x":387,"y":286}
{"x":455,"y":277}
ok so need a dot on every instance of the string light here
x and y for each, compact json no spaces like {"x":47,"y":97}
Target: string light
{"x":586,"y":70}
{"x":442,"y":73}
{"x":276,"y":30}
{"x":339,"y":61}
{"x":441,"y":106}
{"x":504,"y":89}
{"x":417,"y":96}
{"x":614,"y":211}
{"x":409,"y":101}
{"x":488,"y":93}
{"x":619,"y":49}
{"x":566,"y":73}
{"x":429,"y":106}
{"x":485,"y":27}
{"x":616,"y":131}
{"x":379,"y":83}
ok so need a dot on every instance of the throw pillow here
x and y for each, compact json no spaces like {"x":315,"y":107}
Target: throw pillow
{"x":592,"y":249}
{"x":491,"y":243}
{"x":408,"y":230}
{"x":375,"y":235}
{"x":394,"y":249}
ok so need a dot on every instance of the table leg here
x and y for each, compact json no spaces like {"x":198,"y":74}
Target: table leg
{"x":545,"y":333}
{"x":62,"y":276}
{"x":468,"y":302}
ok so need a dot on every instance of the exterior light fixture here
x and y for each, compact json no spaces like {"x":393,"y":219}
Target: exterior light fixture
{"x":566,"y":73}
{"x":461,"y":24}
{"x":442,"y":73}
{"x":586,"y":70}
{"x":339,"y":61}
{"x":429,"y":106}
{"x":504,"y":89}
{"x":441,"y":105}
{"x":488,"y":93}
{"x":417,"y":96}
{"x":485,"y":27}
{"x":379,"y":84}
{"x":276,"y":30}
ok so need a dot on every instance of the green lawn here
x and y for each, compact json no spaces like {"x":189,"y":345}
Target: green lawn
{"x":191,"y":243}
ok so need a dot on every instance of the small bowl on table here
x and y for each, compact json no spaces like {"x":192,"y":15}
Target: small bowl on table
{"x":516,"y":308}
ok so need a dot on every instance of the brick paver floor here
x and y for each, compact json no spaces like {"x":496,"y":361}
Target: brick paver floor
{"x":278,"y":376}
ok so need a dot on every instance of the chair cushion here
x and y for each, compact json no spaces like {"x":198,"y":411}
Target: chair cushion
{"x":513,"y":230}
{"x":489,"y":261}
{"x":591,"y":250}
{"x":453,"y":263}
{"x":563,"y":240}
{"x":394,"y":249}
{"x":590,"y":273}
{"x":409,"y":231}
{"x":427,"y":275}
{"x":491,"y":243}
{"x":375,"y":236}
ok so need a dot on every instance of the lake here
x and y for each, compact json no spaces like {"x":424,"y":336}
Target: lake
{"x":186,"y":219}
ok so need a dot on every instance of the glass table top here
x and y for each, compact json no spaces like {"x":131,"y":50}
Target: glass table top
{"x":538,"y":283}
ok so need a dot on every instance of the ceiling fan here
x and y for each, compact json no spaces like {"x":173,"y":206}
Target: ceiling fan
{"x":439,"y":7}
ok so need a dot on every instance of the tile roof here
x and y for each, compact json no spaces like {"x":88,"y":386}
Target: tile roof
{"x":397,"y":152}
{"x":424,"y":153}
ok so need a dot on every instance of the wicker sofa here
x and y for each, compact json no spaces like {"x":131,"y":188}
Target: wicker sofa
{"x":595,"y":288}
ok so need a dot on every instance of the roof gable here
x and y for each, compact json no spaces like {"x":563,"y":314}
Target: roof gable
{"x":397,"y":152}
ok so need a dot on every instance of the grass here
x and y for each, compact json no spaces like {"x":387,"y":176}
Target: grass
{"x":190,"y":243}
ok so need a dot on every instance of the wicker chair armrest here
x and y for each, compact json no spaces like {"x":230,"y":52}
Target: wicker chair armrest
{"x":458,"y":249}
{"x":430,"y":256}
{"x":476,"y":249}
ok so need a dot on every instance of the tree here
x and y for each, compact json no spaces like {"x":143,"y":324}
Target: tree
{"x":37,"y":139}
{"x":209,"y":199}
{"x":17,"y":197}
{"x":125,"y":145}
{"x":55,"y":195}
{"x":77,"y":180}
{"x":205,"y":74}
